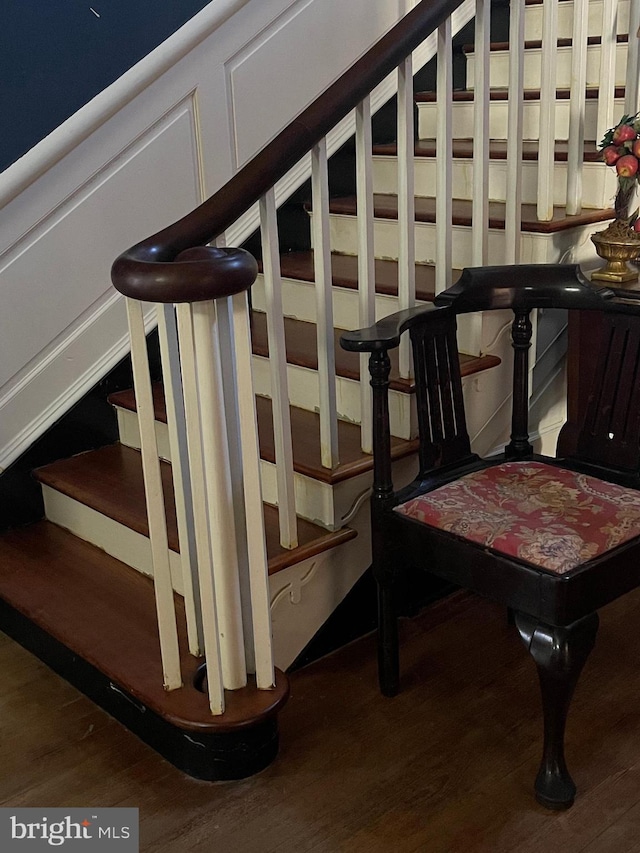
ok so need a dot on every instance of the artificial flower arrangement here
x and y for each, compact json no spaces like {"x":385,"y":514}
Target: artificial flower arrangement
{"x":620,"y":148}
{"x":620,"y":242}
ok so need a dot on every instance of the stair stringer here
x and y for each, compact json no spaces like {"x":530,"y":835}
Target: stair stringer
{"x":305,"y":595}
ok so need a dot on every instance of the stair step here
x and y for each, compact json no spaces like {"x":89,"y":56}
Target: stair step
{"x":533,"y":17}
{"x":536,"y":44}
{"x":105,"y":616}
{"x":302,"y":350}
{"x":305,"y":435}
{"x":499,"y":62}
{"x":344,"y":269}
{"x":386,"y":207}
{"x":109,"y":481}
{"x":598,"y":183}
{"x":299,"y":290}
{"x":540,"y":241}
{"x":463,"y":149}
{"x":498,"y":113}
{"x":502,"y":94}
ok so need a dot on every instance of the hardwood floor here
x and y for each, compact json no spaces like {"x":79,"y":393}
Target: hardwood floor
{"x":448,"y":765}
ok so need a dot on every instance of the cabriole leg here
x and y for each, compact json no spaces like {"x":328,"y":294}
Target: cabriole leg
{"x":559,"y":654}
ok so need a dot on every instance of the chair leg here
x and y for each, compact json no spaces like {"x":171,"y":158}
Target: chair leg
{"x":559,"y":654}
{"x":388,"y":655}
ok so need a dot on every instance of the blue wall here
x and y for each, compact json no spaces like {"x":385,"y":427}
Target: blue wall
{"x":55,"y":55}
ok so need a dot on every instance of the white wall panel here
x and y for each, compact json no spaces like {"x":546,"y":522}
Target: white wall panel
{"x":54,"y":281}
{"x":301,"y":53}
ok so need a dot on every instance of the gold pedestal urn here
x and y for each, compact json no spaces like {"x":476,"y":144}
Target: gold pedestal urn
{"x":620,"y":243}
{"x":617,"y":245}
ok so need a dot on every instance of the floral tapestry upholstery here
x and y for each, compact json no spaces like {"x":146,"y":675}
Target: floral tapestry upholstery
{"x":549,"y":517}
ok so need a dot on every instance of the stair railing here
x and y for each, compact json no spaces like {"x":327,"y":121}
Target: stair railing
{"x":203,"y":316}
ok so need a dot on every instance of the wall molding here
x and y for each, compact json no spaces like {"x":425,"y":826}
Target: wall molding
{"x":78,"y":127}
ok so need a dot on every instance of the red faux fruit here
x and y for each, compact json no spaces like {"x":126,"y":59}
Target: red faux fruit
{"x":636,"y":148}
{"x":636,"y":225}
{"x":611,"y":155}
{"x":627,"y":166}
{"x":623,"y":133}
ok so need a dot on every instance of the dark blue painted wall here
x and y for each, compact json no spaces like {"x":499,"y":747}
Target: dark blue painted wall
{"x":55,"y":55}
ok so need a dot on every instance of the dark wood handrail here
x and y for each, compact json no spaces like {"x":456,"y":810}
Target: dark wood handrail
{"x":152,"y":270}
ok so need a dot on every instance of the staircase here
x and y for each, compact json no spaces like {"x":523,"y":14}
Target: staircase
{"x":76,"y":587}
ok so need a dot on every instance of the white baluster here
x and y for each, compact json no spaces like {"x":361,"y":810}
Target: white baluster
{"x":174,"y":404}
{"x":162,"y":584}
{"x":513,"y":207}
{"x":258,"y":569}
{"x":200,"y":513}
{"x":480,"y":206}
{"x":278,"y":368}
{"x":632,"y":93}
{"x":444,"y":174}
{"x":228,"y":367}
{"x":546,"y":145}
{"x":406,"y":205}
{"x":219,"y":495}
{"x":575,"y":155}
{"x":607,"y":85}
{"x":324,"y":307}
{"x":366,"y":257}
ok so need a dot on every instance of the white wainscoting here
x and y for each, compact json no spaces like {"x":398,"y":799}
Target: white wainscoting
{"x":141,"y":154}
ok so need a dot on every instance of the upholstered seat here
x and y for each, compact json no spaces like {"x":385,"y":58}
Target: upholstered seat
{"x":547,"y":516}
{"x":552,"y":539}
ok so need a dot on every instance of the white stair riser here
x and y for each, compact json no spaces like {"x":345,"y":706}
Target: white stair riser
{"x":498,"y":117}
{"x":116,"y":539}
{"x":303,"y":392}
{"x":316,"y":501}
{"x":299,"y":302}
{"x":534,"y":248}
{"x":599,"y":184}
{"x":533,"y":19}
{"x":499,"y":67}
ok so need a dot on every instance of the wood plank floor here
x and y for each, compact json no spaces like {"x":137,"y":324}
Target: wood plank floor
{"x":445,"y":766}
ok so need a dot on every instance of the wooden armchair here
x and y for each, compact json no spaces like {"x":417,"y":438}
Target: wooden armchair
{"x":552,"y":539}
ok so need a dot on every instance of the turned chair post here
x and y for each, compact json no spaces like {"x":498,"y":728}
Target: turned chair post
{"x":388,"y":654}
{"x":521,"y":330}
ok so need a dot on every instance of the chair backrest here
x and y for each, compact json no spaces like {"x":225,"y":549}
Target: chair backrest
{"x":604,"y":429}
{"x":607,"y":421}
{"x":441,"y":419}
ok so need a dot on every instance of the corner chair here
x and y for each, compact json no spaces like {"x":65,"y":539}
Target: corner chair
{"x":551,"y":539}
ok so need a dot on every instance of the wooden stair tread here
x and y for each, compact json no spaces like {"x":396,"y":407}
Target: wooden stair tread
{"x":386,"y":207}
{"x":302,"y":350}
{"x":105,"y":612}
{"x":344,"y":268}
{"x":305,"y":435}
{"x":463,"y":149}
{"x":502,"y":94}
{"x":109,"y":480}
{"x":536,"y":44}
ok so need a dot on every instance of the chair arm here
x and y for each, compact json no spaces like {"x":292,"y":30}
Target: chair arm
{"x":524,"y":286}
{"x":386,"y":333}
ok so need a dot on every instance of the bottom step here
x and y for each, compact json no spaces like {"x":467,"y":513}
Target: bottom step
{"x":92,"y":620}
